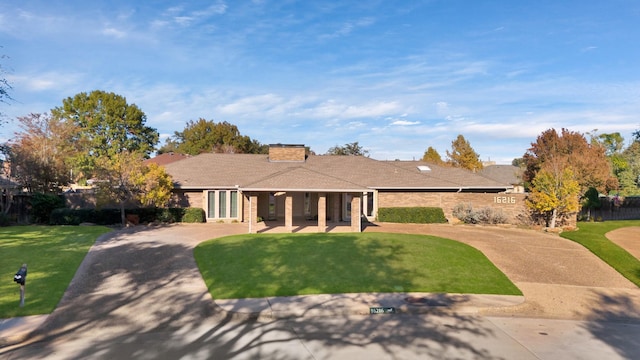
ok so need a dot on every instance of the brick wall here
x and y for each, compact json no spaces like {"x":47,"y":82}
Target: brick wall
{"x":512,"y":205}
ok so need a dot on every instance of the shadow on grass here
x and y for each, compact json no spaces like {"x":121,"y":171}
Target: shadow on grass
{"x":138,"y":294}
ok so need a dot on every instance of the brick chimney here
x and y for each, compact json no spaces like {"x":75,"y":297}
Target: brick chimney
{"x":287,"y":153}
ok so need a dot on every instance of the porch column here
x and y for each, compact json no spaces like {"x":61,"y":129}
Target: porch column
{"x":322,"y":212}
{"x":253,"y":214}
{"x":288,"y":212}
{"x":335,"y":207}
{"x":365,"y":204}
{"x":356,"y":221}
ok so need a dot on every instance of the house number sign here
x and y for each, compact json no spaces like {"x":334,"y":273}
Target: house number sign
{"x":504,"y":199}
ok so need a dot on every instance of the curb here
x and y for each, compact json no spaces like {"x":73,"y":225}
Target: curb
{"x":17,"y":330}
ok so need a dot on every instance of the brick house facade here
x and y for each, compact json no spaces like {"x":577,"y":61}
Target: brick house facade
{"x":290,"y":186}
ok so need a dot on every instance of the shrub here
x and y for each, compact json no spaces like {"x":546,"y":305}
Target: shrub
{"x":42,"y":205}
{"x":78,"y":216}
{"x":485,"y":215}
{"x":4,"y":219}
{"x":193,"y":215}
{"x":414,"y":215}
{"x":112,"y":216}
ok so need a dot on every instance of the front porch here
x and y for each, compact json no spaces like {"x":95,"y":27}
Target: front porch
{"x":295,"y":211}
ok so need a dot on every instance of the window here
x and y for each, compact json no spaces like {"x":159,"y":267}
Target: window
{"x":234,"y":204}
{"x":222,"y":204}
{"x":212,"y":204}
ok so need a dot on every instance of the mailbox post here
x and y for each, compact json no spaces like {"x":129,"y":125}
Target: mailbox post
{"x":21,"y":278}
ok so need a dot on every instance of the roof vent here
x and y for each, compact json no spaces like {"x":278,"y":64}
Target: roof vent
{"x":423,"y":168}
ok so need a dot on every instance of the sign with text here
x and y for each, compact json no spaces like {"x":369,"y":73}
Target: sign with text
{"x":382,"y":310}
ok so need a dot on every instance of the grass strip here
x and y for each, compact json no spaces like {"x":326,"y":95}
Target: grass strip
{"x":261,"y":265}
{"x":592,"y":236}
{"x":52,"y":254}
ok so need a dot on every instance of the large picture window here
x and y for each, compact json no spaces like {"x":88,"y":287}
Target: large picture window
{"x":222,"y":204}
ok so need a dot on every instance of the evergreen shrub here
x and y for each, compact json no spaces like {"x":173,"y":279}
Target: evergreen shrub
{"x":412,"y":215}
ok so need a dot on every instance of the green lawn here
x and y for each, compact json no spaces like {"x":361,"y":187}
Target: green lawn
{"x":592,"y":236}
{"x":52,"y":255}
{"x":249,"y":266}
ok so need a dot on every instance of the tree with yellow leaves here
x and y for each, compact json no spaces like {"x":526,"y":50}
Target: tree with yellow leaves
{"x":554,"y":194}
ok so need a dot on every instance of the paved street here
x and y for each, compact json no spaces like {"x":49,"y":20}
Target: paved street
{"x":138,"y":294}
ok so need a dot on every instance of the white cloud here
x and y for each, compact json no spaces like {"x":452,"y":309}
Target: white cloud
{"x":404,"y":123}
{"x":38,"y":82}
{"x":113,"y":32}
{"x":251,"y":104}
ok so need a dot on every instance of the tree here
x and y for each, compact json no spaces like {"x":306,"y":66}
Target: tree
{"x":630,"y":175}
{"x":208,"y":136}
{"x":554,"y":195}
{"x":5,"y":87}
{"x":613,"y":142}
{"x":38,"y":153}
{"x":431,"y":155}
{"x":462,"y":155}
{"x":555,"y":152}
{"x":154,"y":186}
{"x":106,"y":126}
{"x":591,"y":199}
{"x":353,"y":149}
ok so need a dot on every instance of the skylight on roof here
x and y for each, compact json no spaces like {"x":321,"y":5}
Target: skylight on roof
{"x":423,"y":168}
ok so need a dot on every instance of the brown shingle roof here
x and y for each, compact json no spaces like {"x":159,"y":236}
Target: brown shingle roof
{"x":337,"y":173}
{"x":166,"y":158}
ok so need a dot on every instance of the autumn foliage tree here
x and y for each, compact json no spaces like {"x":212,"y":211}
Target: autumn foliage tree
{"x":431,"y":155}
{"x":462,"y":155}
{"x":38,"y":153}
{"x":555,"y":151}
{"x":554,"y":195}
{"x":153,"y":186}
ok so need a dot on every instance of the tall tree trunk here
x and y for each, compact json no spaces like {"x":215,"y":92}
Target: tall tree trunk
{"x":554,"y":216}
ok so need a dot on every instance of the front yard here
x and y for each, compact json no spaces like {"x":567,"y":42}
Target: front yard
{"x":52,"y":255}
{"x":249,"y":266}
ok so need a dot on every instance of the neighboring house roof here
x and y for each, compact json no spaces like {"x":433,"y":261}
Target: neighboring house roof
{"x":504,"y":174}
{"x":318,"y":173}
{"x":166,"y":158}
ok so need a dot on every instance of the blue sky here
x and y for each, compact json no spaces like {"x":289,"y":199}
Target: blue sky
{"x":395,"y":76}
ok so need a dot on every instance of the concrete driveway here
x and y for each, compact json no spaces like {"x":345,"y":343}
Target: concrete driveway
{"x":138,"y":294}
{"x":559,"y":278}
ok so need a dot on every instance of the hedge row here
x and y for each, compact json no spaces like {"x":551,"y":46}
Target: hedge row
{"x":65,"y":216}
{"x":413,"y":215}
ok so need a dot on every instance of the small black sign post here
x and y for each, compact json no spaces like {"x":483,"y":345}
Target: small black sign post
{"x":21,"y":278}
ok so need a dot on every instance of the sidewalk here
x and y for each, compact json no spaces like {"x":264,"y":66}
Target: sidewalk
{"x":362,"y":304}
{"x":16,"y":330}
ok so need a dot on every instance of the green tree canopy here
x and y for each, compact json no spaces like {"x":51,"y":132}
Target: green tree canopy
{"x":106,"y":126}
{"x":431,"y":155}
{"x":348,"y":149}
{"x":629,"y":174}
{"x":462,"y":155}
{"x":208,"y":136}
